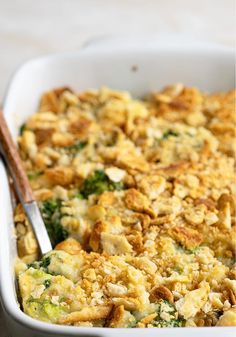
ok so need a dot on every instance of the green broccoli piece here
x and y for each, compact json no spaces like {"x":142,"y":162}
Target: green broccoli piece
{"x":169,"y":133}
{"x":76,"y":147}
{"x":184,"y":250}
{"x":22,"y":129}
{"x":194,"y":250}
{"x":45,"y":262}
{"x":174,"y":323}
{"x":50,"y":206}
{"x":178,"y":269}
{"x":79,"y":196}
{"x":169,"y":309}
{"x":34,"y":265}
{"x":99,"y":183}
{"x":47,"y":283}
{"x":51,"y":214}
{"x":33,"y":174}
{"x":44,"y":310}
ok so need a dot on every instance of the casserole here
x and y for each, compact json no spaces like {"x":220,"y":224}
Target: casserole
{"x":94,"y":67}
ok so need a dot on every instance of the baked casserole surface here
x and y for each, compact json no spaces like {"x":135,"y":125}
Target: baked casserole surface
{"x":138,"y":199}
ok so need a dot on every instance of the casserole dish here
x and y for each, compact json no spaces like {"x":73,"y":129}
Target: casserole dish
{"x":118,"y":65}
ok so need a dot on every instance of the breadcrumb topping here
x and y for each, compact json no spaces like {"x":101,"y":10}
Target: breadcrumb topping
{"x":138,"y":197}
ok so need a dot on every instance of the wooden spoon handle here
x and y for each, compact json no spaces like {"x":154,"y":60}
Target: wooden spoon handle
{"x":14,"y":164}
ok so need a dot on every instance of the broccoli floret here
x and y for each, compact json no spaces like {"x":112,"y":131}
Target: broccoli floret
{"x":76,"y":147}
{"x":194,"y":250}
{"x":45,"y":262}
{"x":50,"y":206}
{"x":22,"y":129}
{"x":166,"y":309}
{"x":169,"y":133}
{"x":53,"y":311}
{"x":47,"y":283}
{"x":178,"y":269}
{"x":184,"y":250}
{"x":44,"y":310}
{"x":34,"y":265}
{"x":98,"y":183}
{"x":79,"y":196}
{"x":33,"y":174}
{"x":52,"y":218}
{"x":175,"y":323}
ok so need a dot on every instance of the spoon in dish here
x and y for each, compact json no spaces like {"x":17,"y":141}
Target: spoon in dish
{"x":23,"y":188}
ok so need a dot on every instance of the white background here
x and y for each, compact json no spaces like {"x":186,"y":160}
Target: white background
{"x":30,"y":28}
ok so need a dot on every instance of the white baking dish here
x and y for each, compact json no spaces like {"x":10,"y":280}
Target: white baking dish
{"x":140,"y":67}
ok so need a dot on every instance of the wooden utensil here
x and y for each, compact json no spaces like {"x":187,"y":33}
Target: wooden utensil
{"x":23,"y":188}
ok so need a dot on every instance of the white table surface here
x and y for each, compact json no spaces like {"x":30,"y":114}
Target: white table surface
{"x":31,"y":28}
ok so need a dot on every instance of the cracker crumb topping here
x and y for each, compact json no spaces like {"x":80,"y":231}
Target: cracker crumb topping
{"x":138,"y":197}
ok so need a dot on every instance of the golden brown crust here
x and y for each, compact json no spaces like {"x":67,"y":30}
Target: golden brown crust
{"x":161,"y":292}
{"x":148,"y":319}
{"x":116,"y":316}
{"x":188,"y":237}
{"x":80,"y":128}
{"x":95,"y":236}
{"x":87,"y":314}
{"x":225,"y":199}
{"x":60,"y":176}
{"x":43,"y":135}
{"x":132,"y":181}
{"x":70,"y":245}
{"x":138,"y":202}
{"x":209,"y":203}
{"x":232,"y":297}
